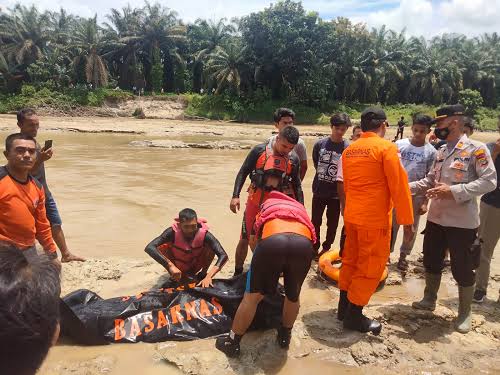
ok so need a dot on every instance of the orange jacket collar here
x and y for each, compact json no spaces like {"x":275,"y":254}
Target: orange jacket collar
{"x":368,"y":135}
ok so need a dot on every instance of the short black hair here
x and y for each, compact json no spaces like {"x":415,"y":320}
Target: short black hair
{"x":469,"y":122}
{"x":283,"y":112}
{"x":23,"y":113}
{"x":11,"y":138}
{"x":423,"y":119}
{"x":355,"y":128}
{"x":187,"y":214}
{"x":402,"y":117}
{"x":371,"y":124}
{"x":29,"y":309}
{"x":290,"y":133}
{"x":339,"y":119}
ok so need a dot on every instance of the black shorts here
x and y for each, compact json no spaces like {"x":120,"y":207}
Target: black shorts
{"x":285,"y":252}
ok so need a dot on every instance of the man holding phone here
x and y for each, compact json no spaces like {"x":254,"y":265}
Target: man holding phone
{"x":29,"y":123}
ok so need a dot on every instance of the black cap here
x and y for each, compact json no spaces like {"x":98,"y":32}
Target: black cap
{"x":373,"y":113}
{"x":448,"y":111}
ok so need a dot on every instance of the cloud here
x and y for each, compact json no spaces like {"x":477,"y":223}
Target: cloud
{"x":418,"y":17}
{"x":430,"y":18}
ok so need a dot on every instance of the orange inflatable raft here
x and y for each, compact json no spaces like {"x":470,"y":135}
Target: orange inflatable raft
{"x":330,"y":264}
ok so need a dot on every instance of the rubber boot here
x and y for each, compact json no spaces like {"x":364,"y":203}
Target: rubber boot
{"x":432,"y":282}
{"x":229,"y":344}
{"x":343,"y":303}
{"x":356,"y":321}
{"x":464,"y":318}
{"x":284,"y":337}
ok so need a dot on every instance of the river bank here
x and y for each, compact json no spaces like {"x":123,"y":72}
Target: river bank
{"x":115,"y":196}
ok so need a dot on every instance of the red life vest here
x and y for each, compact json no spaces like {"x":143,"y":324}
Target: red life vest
{"x":187,"y":257}
{"x":281,"y":206}
{"x":269,"y":164}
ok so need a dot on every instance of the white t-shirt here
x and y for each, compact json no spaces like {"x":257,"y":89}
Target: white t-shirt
{"x":417,"y":161}
{"x":299,"y":149}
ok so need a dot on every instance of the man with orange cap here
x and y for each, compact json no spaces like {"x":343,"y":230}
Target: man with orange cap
{"x":374,"y":182}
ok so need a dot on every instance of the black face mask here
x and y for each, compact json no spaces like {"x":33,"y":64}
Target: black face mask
{"x":442,"y":133}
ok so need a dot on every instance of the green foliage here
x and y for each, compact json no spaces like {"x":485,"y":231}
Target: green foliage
{"x":285,"y":51}
{"x":472,"y":100}
{"x":139,"y":113}
{"x":30,"y":96}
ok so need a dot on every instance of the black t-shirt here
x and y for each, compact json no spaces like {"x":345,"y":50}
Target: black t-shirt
{"x":401,"y":124}
{"x":493,"y":197}
{"x":326,"y":156}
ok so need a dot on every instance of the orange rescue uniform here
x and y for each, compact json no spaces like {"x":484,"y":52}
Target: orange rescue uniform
{"x":374,"y":182}
{"x":22,"y":213}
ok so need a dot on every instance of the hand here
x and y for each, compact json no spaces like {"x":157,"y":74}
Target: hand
{"x":408,"y":230}
{"x":235,"y":205}
{"x":206,"y":282}
{"x":69,"y":257}
{"x":441,"y":191}
{"x":423,"y":209}
{"x":46,"y":154}
{"x":175,"y":273}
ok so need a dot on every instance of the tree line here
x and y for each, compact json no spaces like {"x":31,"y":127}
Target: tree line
{"x":280,"y":52}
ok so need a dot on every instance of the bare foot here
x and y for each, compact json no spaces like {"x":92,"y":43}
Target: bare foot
{"x":66,"y":258}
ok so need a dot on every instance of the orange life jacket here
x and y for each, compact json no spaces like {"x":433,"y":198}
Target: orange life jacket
{"x":282,"y":214}
{"x":187,"y":256}
{"x":267,"y":165}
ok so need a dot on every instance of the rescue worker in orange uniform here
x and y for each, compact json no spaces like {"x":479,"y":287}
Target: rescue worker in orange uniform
{"x":271,"y":166}
{"x":22,"y":199}
{"x":285,"y":245}
{"x":374,"y":182}
{"x":187,"y":248}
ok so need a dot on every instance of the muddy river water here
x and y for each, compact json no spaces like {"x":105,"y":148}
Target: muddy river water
{"x":114,"y":198}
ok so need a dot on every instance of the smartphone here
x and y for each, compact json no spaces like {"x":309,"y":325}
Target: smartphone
{"x":48,"y":144}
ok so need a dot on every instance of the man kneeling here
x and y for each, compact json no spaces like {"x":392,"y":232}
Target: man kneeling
{"x":286,"y":236}
{"x":187,"y":248}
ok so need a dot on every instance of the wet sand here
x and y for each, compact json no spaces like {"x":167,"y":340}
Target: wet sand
{"x":114,"y":198}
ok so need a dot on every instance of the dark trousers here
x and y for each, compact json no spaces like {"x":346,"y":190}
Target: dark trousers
{"x":332,"y":219}
{"x":437,"y":239}
{"x":400,"y":132}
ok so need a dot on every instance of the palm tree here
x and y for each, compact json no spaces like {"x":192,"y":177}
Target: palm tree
{"x":206,"y":36}
{"x":160,"y":28}
{"x":9,"y":74}
{"x":24,"y":34}
{"x":61,"y":26}
{"x":480,"y":68}
{"x":123,"y":54}
{"x":224,"y":66}
{"x":435,"y":79}
{"x":88,"y":41}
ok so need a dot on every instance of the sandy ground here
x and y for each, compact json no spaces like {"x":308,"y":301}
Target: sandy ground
{"x":115,"y":197}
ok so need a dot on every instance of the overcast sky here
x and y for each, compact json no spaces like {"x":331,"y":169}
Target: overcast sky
{"x":419,"y":17}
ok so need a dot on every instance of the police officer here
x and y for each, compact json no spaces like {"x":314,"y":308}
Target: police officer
{"x":462,"y":171}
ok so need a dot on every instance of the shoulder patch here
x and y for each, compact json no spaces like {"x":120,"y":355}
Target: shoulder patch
{"x":480,"y":153}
